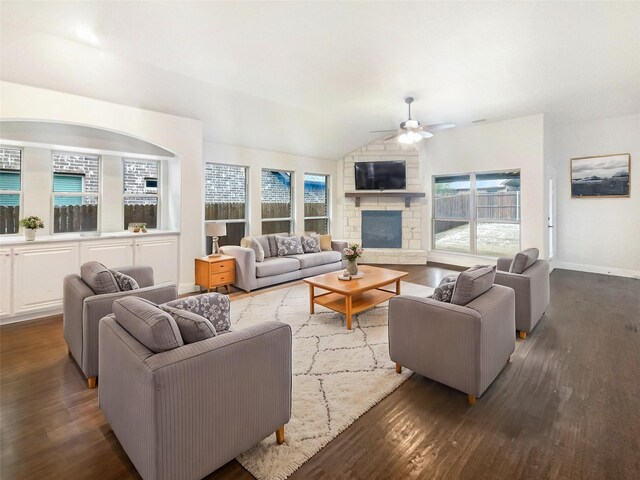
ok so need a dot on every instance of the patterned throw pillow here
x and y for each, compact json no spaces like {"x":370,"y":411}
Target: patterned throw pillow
{"x":310,"y":244}
{"x":444,"y":290}
{"x":212,"y":306}
{"x":253,"y":244}
{"x":288,"y":246}
{"x":124,"y":281}
{"x":193,"y":327}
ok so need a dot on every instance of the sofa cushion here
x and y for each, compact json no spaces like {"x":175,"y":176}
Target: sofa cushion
{"x":124,"y":281}
{"x":215,"y":307}
{"x":472,"y":283}
{"x":309,"y":260}
{"x":193,"y":327}
{"x":148,"y":324}
{"x":325,"y":243}
{"x":276,"y":266}
{"x":273,"y":245}
{"x":524,"y":260}
{"x":288,"y":246}
{"x":264,"y":243}
{"x":253,"y":244}
{"x":98,"y":278}
{"x":310,"y":243}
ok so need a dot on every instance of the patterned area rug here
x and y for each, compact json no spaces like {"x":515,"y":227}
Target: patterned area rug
{"x":338,"y":375}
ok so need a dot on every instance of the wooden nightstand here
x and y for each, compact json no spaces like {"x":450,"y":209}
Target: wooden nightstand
{"x":215,"y":272}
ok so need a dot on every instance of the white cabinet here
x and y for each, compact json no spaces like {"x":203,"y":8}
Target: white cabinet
{"x":112,"y":253}
{"x":160,"y":253}
{"x":38,"y":272}
{"x":6,"y":289}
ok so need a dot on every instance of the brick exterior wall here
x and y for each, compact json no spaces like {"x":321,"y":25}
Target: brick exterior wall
{"x":224,"y":184}
{"x":84,"y":164}
{"x":135,"y":172}
{"x":275,"y":187}
{"x":10,"y":159}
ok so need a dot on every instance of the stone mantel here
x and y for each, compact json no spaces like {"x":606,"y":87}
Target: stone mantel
{"x":406,"y":195}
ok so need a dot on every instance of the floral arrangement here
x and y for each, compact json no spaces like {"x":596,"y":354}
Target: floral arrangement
{"x":353,"y":252}
{"x":32,"y":223}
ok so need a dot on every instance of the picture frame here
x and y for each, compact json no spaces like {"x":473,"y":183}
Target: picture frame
{"x":601,"y":176}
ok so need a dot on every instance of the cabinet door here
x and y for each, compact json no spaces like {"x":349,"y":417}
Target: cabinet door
{"x":6,"y":289}
{"x":160,"y":253}
{"x":112,"y":253}
{"x":38,"y":272}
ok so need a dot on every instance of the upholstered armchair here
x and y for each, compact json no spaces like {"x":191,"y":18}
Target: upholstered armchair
{"x":181,"y":410}
{"x":83,"y":309}
{"x":532,"y":291}
{"x":464,"y":347}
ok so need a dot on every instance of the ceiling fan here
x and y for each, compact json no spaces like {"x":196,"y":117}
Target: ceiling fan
{"x":411,"y":131}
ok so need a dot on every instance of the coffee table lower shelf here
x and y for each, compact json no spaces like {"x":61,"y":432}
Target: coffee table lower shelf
{"x":359,"y":302}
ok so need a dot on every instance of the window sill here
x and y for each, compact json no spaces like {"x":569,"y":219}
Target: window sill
{"x":74,"y":237}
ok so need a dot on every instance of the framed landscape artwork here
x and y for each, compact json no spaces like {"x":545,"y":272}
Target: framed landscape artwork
{"x":602,"y":176}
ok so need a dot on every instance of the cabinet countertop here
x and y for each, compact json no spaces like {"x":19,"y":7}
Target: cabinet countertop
{"x":76,"y":237}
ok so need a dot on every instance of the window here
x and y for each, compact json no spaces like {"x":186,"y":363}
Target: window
{"x":477,"y":213}
{"x":225,"y":198}
{"x":76,"y":183}
{"x":277,"y":212}
{"x":10,"y":189}
{"x":316,"y":203}
{"x":141,"y":192}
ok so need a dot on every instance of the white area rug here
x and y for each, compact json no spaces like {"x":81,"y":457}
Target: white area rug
{"x":337,"y":374}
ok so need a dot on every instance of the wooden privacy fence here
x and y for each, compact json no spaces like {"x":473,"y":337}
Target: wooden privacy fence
{"x":503,"y":206}
{"x":75,"y":218}
{"x":234,"y":211}
{"x":9,"y":219}
{"x":141,"y":213}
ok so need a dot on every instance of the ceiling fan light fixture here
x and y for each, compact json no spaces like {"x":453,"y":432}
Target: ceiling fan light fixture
{"x":411,"y":124}
{"x":415,"y":137}
{"x":404,"y":138}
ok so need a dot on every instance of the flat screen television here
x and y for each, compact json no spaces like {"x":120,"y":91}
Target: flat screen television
{"x":388,"y":175}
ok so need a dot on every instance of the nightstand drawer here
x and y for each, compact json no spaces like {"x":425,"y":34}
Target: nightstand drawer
{"x":224,"y":266}
{"x":222,"y":278}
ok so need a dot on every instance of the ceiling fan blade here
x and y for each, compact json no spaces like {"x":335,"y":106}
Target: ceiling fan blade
{"x":391,"y":136}
{"x":425,"y":134}
{"x":438,"y":126}
{"x":381,"y":131}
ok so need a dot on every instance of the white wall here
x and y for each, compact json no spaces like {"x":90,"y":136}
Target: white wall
{"x":256,"y":160}
{"x":598,"y":234}
{"x":183,"y":136}
{"x":508,"y":144}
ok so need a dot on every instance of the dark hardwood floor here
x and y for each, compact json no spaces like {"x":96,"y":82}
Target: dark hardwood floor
{"x":567,"y":407}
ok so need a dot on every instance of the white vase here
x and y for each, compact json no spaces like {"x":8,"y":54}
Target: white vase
{"x":30,"y":234}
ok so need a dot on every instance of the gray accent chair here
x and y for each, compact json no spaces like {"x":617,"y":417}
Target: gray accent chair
{"x":251,"y":274}
{"x":532,"y":292}
{"x":83,"y":309}
{"x":464,"y":347}
{"x":182,"y":413}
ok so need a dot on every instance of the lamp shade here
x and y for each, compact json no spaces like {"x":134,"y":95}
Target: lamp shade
{"x":215,"y":229}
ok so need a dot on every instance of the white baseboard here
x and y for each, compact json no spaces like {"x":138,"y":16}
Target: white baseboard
{"x":36,"y":315}
{"x":188,"y":288}
{"x":619,"y":272}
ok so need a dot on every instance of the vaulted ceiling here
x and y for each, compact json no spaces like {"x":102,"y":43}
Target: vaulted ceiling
{"x":313,"y":78}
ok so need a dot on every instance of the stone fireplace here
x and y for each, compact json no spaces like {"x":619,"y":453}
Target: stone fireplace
{"x":382,"y":229}
{"x":399,"y":222}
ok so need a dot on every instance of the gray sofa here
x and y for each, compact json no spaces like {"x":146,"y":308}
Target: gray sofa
{"x":273,"y":269}
{"x":532,"y":292}
{"x":464,"y":347}
{"x":83,"y":309}
{"x":183,"y":412}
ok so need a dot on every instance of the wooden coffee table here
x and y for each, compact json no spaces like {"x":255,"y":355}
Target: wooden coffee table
{"x":354,"y":296}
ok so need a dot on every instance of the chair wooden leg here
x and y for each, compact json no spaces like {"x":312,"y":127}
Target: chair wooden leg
{"x":398,"y":368}
{"x":280,"y":435}
{"x":471,"y":399}
{"x":91,"y":382}
{"x":522,"y":334}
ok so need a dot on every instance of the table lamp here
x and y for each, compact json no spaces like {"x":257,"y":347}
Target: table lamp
{"x":215,"y":230}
